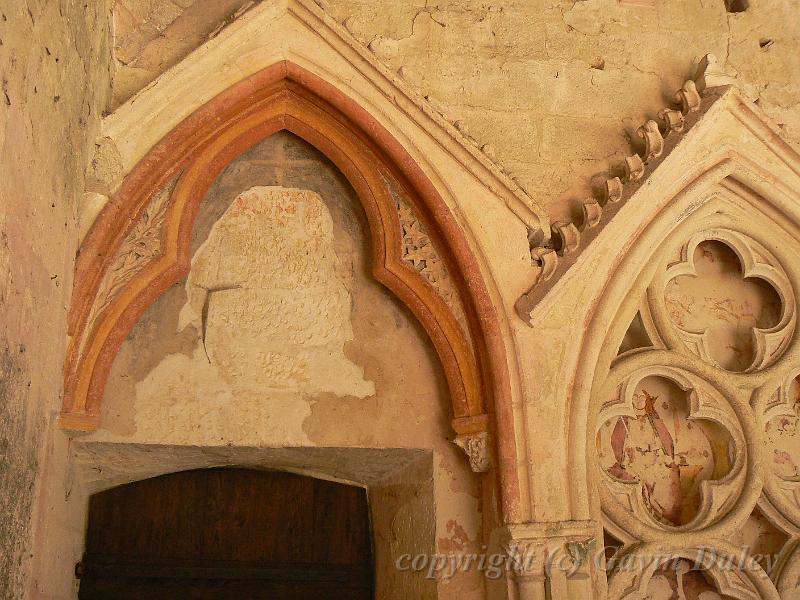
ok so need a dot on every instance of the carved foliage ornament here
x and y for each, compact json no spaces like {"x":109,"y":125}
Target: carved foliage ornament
{"x":140,"y":247}
{"x":419,"y":251}
{"x":478,"y":450}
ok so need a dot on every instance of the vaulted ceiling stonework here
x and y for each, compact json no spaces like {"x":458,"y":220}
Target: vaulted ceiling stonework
{"x":289,"y":257}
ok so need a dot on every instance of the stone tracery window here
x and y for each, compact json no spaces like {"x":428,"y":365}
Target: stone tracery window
{"x":698,"y":409}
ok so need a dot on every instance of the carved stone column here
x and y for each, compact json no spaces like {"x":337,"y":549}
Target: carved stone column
{"x":528,"y":562}
{"x":554,"y":561}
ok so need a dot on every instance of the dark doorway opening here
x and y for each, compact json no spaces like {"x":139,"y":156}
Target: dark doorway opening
{"x":228,"y":534}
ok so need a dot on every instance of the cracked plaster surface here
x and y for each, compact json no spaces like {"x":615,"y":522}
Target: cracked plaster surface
{"x":274,"y":317}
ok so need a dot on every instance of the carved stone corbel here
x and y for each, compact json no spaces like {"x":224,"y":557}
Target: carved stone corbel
{"x":478,"y":450}
{"x":688,"y":97}
{"x":566,"y":236}
{"x":653,"y":140}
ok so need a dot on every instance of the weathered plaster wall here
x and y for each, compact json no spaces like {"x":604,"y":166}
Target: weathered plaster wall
{"x":550,"y":86}
{"x":554,"y":87}
{"x":151,"y":36}
{"x":55,"y":77}
{"x":281,"y":337}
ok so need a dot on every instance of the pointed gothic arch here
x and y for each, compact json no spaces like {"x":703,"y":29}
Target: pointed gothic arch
{"x":455,"y":185}
{"x":731,"y":174}
{"x":140,"y":245}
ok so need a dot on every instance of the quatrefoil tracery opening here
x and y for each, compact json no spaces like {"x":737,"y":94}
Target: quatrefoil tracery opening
{"x":720,"y":300}
{"x":725,"y":300}
{"x":666,"y":449}
{"x":783,"y":435}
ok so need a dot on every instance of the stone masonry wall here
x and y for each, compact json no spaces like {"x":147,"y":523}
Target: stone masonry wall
{"x":55,"y":77}
{"x":554,"y":87}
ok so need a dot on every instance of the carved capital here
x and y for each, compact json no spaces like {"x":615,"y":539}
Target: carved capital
{"x":528,"y":558}
{"x":537,"y":550}
{"x":477,"y":448}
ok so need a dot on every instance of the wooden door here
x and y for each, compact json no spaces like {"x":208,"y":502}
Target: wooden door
{"x":228,"y":534}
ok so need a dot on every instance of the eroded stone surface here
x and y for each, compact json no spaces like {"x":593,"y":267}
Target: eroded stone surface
{"x":546,"y":84}
{"x":273,"y":316}
{"x":265,"y":292}
{"x":555,"y":88}
{"x":54,"y":85}
{"x":153,"y":35}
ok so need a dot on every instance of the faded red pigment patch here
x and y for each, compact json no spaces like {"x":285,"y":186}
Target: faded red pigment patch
{"x":666,"y":449}
{"x":458,"y":540}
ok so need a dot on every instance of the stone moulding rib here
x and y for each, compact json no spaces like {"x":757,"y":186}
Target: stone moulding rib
{"x":446,"y":134}
{"x":125,"y":124}
{"x":658,"y":138}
